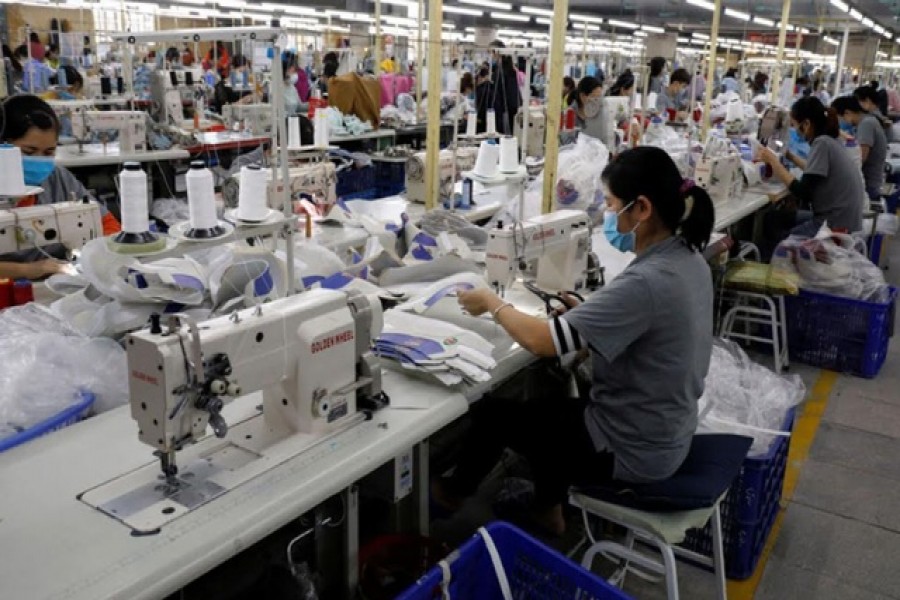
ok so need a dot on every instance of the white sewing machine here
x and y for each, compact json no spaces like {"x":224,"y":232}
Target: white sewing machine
{"x":130,"y":125}
{"x":559,"y":243}
{"x":256,"y":118}
{"x":308,"y":354}
{"x":415,"y":171}
{"x":72,"y":224}
{"x":537,"y":130}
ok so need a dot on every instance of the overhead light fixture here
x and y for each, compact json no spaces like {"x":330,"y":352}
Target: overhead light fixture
{"x":787,"y":27}
{"x":867,"y":22}
{"x":640,"y":33}
{"x":805,"y":31}
{"x":537,"y":11}
{"x":489,"y":4}
{"x":543,"y":21}
{"x":763,"y":21}
{"x":509,"y":17}
{"x":585,"y":18}
{"x":652,"y":29}
{"x":888,"y":35}
{"x":699,"y":36}
{"x":841,"y":5}
{"x":736,"y":14}
{"x":832,"y":41}
{"x":623,"y":24}
{"x":682,"y":40}
{"x":702,"y":4}
{"x":856,"y":14}
{"x":586,"y":26}
{"x":460,"y":10}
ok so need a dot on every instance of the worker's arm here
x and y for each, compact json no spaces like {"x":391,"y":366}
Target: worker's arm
{"x":30,"y":270}
{"x":800,"y":162}
{"x":778,"y":170}
{"x":532,"y":333}
{"x":864,"y":150}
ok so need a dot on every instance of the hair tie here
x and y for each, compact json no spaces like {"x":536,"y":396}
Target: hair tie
{"x":686,"y":186}
{"x":688,"y":207}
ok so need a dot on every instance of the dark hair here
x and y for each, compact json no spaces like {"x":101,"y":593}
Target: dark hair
{"x":731,"y":72}
{"x":73,"y":77}
{"x":586,"y":86}
{"x":846,"y":103}
{"x":506,"y":63}
{"x":824,"y":121}
{"x":21,"y":52}
{"x":8,"y":53}
{"x":568,"y":82}
{"x":866,"y":92}
{"x":238,"y":60}
{"x":650,"y":172}
{"x":330,"y":64}
{"x":34,"y":37}
{"x":172,"y":54}
{"x":466,"y":83}
{"x":680,"y":76}
{"x":484,"y":72}
{"x":657,"y":64}
{"x":624,"y":81}
{"x":21,"y":113}
{"x":53,"y":48}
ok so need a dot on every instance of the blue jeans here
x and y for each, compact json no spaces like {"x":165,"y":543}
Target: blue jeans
{"x":805,"y":225}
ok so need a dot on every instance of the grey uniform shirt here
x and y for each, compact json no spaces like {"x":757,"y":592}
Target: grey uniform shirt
{"x":60,"y":185}
{"x":664,"y":101}
{"x":650,"y":335}
{"x":837,"y":200}
{"x":871,"y":133}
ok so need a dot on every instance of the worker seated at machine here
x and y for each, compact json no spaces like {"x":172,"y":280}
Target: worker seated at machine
{"x":671,"y":100}
{"x":30,"y":124}
{"x":872,"y":142}
{"x":649,"y":337}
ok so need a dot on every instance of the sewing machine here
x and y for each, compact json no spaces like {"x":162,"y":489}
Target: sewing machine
{"x":308,"y":355}
{"x":255,"y":118}
{"x":415,"y":172}
{"x":558,"y":243}
{"x":314,"y":181}
{"x":537,"y":131}
{"x":721,"y":176}
{"x":168,"y":98}
{"x":774,"y":126}
{"x":130,"y":125}
{"x":72,"y":224}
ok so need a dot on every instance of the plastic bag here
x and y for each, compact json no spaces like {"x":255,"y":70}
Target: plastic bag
{"x":746,"y":398}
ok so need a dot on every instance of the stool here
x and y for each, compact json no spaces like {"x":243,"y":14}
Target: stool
{"x":661,"y":513}
{"x":761,"y":307}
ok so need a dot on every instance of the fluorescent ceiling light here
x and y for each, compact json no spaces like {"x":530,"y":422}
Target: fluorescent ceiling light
{"x":856,"y":14}
{"x":736,"y":14}
{"x":878,"y":29}
{"x":543,"y":21}
{"x":831,"y":41}
{"x":700,"y":36}
{"x":509,"y":17}
{"x":683,"y":40}
{"x":640,"y":33}
{"x":586,"y":26}
{"x":889,"y":35}
{"x":841,"y":5}
{"x":537,"y":11}
{"x":459,"y":10}
{"x":702,"y":4}
{"x":652,"y":29}
{"x":867,"y":22}
{"x":489,"y":4}
{"x":585,"y":18}
{"x":787,"y":27}
{"x":623,"y":24}
{"x":762,"y":21}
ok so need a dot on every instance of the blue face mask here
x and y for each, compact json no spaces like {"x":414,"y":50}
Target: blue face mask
{"x":846,"y":127}
{"x":37,"y":168}
{"x":796,"y":138}
{"x":624,"y":242}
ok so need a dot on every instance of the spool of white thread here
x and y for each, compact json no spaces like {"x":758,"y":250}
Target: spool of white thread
{"x":471,"y":123}
{"x":320,"y":129}
{"x":509,"y":154}
{"x":294,"y":132}
{"x":491,"y":121}
{"x":201,"y":197}
{"x":134,"y":199}
{"x":13,"y":181}
{"x":487,"y":161}
{"x":252,"y":196}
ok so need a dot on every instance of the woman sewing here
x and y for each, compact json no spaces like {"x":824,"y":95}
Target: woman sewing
{"x":648,"y":334}
{"x":30,"y":124}
{"x":587,"y":100}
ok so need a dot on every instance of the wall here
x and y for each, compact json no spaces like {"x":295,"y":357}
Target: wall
{"x":38,"y":17}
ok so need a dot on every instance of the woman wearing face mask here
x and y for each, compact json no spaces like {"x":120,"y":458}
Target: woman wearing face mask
{"x":672,"y":99}
{"x":657,"y":75}
{"x":649,"y":336}
{"x":29,"y":123}
{"x":291,"y":97}
{"x":869,"y":99}
{"x":830,"y":184}
{"x":872,"y":142}
{"x":623,"y":85}
{"x":587,"y":100}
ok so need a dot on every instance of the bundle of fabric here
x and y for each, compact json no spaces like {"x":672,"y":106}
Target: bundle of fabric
{"x":356,"y":95}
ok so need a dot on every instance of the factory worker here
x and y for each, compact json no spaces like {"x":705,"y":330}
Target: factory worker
{"x":830,"y":184}
{"x":870,"y":100}
{"x":730,"y":82}
{"x":31,"y":124}
{"x":657,"y":75}
{"x":291,"y":96}
{"x":872,"y":142}
{"x":568,"y":87}
{"x":671,"y":98}
{"x":624,"y":84}
{"x":648,"y":334}
{"x":587,"y":100}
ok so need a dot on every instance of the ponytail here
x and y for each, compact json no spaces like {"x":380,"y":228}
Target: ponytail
{"x":698,"y":218}
{"x":832,"y":125}
{"x":824,"y":121}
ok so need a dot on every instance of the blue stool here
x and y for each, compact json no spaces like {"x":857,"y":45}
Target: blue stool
{"x":661,"y":513}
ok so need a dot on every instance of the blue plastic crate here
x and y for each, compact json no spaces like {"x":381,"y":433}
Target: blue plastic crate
{"x":369,"y":194}
{"x":534,"y":572}
{"x":390,"y":189}
{"x":64,"y":418}
{"x":352,"y":180}
{"x":390,"y":173}
{"x":840,"y":334}
{"x":749,"y":509}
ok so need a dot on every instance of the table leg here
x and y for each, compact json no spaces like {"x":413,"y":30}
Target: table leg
{"x":351,"y":538}
{"x":422,"y":486}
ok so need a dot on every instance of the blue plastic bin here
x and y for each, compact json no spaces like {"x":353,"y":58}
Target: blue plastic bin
{"x":351,"y":182}
{"x":390,"y":177}
{"x":749,"y":510}
{"x":840,"y":334}
{"x":64,"y":418}
{"x":534,"y":572}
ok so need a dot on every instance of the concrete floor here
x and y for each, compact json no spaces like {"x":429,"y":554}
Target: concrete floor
{"x":839,"y":533}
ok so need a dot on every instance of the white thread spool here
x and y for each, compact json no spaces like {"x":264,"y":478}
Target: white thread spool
{"x":320,"y":129}
{"x":201,"y":197}
{"x":509,"y":154}
{"x":471,"y":123}
{"x":134,"y":199}
{"x":252,"y":195}
{"x":294,"y":132}
{"x":13,"y":181}
{"x":491,"y":121}
{"x":488,"y":158}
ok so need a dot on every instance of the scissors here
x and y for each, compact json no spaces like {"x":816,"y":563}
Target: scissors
{"x":549,"y":298}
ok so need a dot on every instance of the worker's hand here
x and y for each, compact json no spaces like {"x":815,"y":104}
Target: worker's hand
{"x":477,"y":302}
{"x":43,"y":268}
{"x":569,"y":300}
{"x":681,"y":116}
{"x":766,"y":155}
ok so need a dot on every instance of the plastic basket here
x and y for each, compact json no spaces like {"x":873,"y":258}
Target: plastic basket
{"x":68,"y":416}
{"x":534,"y":572}
{"x":840,"y":334}
{"x":390,"y":177}
{"x":749,"y":509}
{"x":369,"y":194}
{"x":353,"y":181}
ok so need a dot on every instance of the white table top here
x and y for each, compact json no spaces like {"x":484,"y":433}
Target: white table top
{"x":369,"y":135}
{"x":729,"y":213}
{"x":97,"y":154}
{"x":58,"y":547}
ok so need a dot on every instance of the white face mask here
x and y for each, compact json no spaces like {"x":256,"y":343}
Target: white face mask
{"x":294,"y":78}
{"x":592,"y":107}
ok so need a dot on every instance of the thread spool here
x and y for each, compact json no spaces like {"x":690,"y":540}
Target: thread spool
{"x":471,"y":123}
{"x":135,"y":235}
{"x":488,"y":160}
{"x":320,"y":129}
{"x":491,"y":122}
{"x":509,"y":154}
{"x":202,"y":203}
{"x":294,"y":132}
{"x":252,"y":195}
{"x":12,"y":183}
